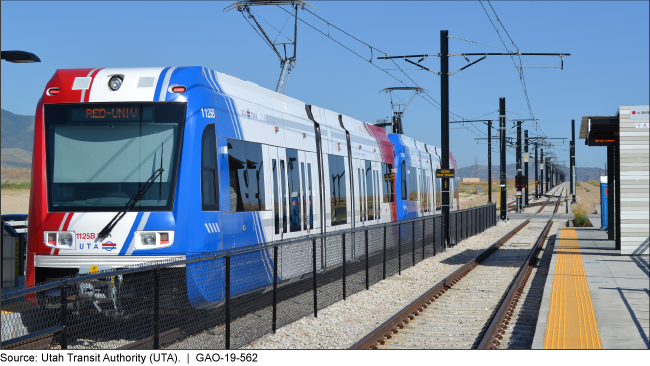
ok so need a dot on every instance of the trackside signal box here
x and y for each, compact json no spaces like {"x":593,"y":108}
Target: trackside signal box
{"x":520,"y":181}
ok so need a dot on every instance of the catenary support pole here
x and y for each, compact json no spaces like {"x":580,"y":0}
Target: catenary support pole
{"x":572,"y":161}
{"x":518,"y":164}
{"x":536,"y":174}
{"x":444,"y":123}
{"x":489,"y":161}
{"x":526,"y":167}
{"x":541,"y":172}
{"x":503,"y":215}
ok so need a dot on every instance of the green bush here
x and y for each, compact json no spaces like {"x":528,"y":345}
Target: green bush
{"x":15,"y":185}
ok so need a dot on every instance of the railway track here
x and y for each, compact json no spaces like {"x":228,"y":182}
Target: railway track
{"x":473,"y":307}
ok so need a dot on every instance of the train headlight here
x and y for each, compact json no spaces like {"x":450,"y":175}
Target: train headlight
{"x":115,"y":82}
{"x":149,"y":239}
{"x":65,"y":239}
{"x":60,"y":239}
{"x":153,"y":239}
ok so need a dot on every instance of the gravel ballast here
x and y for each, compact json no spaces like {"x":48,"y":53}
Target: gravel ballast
{"x":345,"y":322}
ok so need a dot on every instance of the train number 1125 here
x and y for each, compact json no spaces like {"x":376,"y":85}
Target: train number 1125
{"x":207,"y":113}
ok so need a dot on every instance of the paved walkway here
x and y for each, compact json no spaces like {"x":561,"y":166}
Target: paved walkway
{"x":618,"y":295}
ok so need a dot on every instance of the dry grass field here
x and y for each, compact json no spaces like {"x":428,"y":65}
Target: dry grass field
{"x":15,"y":191}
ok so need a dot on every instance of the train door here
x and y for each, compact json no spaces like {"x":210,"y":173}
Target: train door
{"x":371,"y":191}
{"x":278,"y":169}
{"x":300,"y":175}
{"x":360,"y":204}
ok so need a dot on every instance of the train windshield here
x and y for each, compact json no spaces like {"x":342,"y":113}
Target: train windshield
{"x":100,"y":154}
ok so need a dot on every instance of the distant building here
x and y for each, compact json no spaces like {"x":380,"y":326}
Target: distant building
{"x":471,"y":180}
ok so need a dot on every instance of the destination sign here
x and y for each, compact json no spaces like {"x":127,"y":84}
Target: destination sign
{"x":445,"y":173}
{"x":126,"y":113}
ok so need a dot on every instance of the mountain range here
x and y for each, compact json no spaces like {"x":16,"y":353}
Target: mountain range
{"x":17,"y":140}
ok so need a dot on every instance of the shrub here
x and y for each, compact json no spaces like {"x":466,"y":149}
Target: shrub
{"x":580,"y":216}
{"x":15,"y":185}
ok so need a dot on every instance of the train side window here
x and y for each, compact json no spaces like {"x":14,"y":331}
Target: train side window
{"x":370,"y":191}
{"x":209,"y":193}
{"x":403,"y":174}
{"x":237,"y":176}
{"x":276,"y":200}
{"x":294,"y":190}
{"x":284,"y":196}
{"x":310,"y":198}
{"x":413,"y":184}
{"x":438,"y":193}
{"x":389,"y":178}
{"x":338,"y":198}
{"x":255,"y":177}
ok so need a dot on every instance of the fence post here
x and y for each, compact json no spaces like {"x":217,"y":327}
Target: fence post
{"x":413,"y":239}
{"x":156,"y":308}
{"x":384,"y":266}
{"x":313,"y":243}
{"x":433,"y":235}
{"x":64,"y":316}
{"x":227,"y":302}
{"x":399,"y":248}
{"x":344,"y":269}
{"x":423,"y":234}
{"x":275,"y":290}
{"x":367,"y":263}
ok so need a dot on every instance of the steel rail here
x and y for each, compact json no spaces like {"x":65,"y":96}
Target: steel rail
{"x":502,"y":318}
{"x":403,"y":317}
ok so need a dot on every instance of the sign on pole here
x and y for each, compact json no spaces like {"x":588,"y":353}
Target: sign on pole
{"x":445,"y":173}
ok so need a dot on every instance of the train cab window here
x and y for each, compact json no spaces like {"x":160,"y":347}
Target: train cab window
{"x":338,"y":198}
{"x":388,"y":182}
{"x":413,"y":184}
{"x":209,"y":193}
{"x":246,"y":174}
{"x":403,"y":178}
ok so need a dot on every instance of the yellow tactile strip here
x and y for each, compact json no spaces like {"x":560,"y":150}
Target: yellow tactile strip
{"x":571,"y":320}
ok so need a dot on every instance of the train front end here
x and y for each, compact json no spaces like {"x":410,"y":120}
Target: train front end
{"x":104,"y":178}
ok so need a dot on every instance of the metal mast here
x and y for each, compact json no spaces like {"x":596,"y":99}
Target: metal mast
{"x":286,"y":62}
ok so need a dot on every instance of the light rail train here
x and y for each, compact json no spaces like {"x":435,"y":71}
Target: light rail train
{"x":144,"y":164}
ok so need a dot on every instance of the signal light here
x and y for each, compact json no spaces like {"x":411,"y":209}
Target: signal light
{"x":178,"y":89}
{"x":53,"y":91}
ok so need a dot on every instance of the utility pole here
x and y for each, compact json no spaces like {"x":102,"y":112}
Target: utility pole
{"x":526,"y":165}
{"x":444,"y":123}
{"x":547,"y":176}
{"x":518,"y":165}
{"x":572,"y":161}
{"x":502,"y":136}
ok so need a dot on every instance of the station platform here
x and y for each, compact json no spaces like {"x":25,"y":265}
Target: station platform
{"x":594,"y":298}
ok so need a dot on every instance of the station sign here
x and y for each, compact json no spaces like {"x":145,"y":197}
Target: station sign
{"x":445,"y":173}
{"x":639,"y":112}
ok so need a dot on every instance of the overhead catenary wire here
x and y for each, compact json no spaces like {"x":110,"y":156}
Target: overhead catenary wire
{"x":435,"y":103}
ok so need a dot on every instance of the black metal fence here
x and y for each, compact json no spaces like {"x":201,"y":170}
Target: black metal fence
{"x":225,"y":299}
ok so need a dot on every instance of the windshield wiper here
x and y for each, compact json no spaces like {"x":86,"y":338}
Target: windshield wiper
{"x":106,"y":231}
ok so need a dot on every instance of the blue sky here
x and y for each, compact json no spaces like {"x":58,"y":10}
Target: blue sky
{"x":608,"y":66}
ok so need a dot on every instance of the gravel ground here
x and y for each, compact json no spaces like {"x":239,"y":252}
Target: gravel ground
{"x":345,"y":322}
